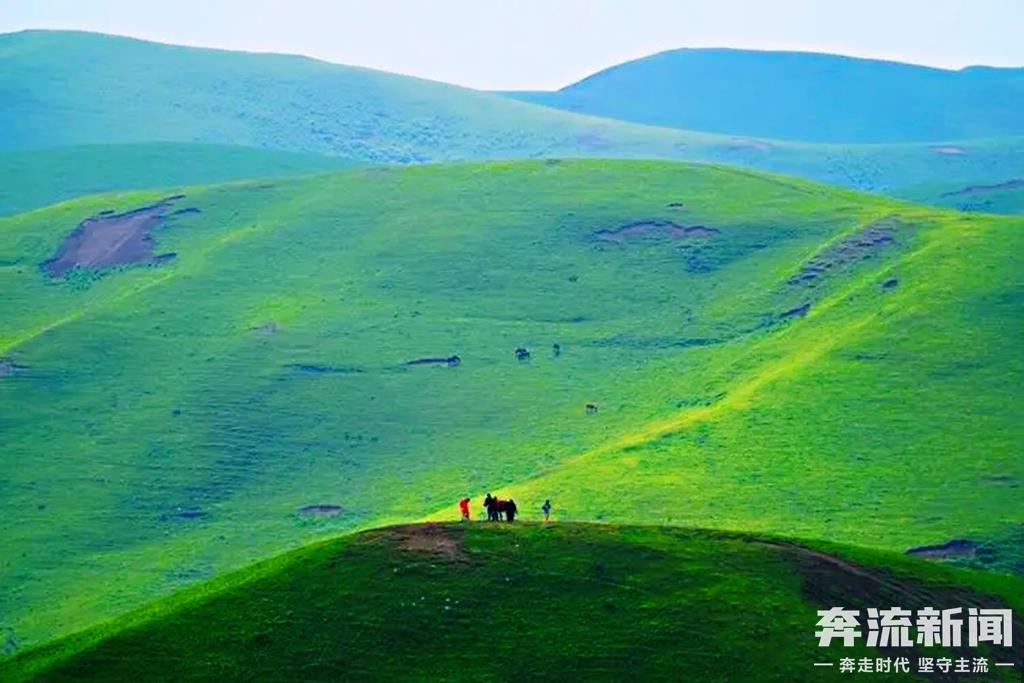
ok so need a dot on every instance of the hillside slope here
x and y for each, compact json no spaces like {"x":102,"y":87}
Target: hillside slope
{"x":800,"y":96}
{"x":468,"y":602}
{"x":33,"y":178}
{"x":67,"y":88}
{"x":1003,"y":197}
{"x":764,"y":353}
{"x":64,"y":89}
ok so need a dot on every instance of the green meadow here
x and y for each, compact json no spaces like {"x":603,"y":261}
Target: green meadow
{"x":889,"y":416}
{"x":525,"y":602}
{"x":766,"y":354}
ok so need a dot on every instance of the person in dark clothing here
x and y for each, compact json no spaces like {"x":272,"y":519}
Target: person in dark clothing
{"x":511,"y":510}
{"x":546,"y":509}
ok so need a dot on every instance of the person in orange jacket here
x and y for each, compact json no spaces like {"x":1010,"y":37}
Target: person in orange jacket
{"x":464,"y":507}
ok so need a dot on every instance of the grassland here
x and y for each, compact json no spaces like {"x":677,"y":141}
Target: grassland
{"x":979,"y":178}
{"x":1006,"y":197}
{"x":800,"y":96}
{"x":30,"y":179}
{"x":534,"y":602}
{"x":175,"y":421}
{"x":65,"y":89}
{"x":900,"y":403}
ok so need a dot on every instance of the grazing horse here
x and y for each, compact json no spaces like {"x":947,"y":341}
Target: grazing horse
{"x":496,"y":508}
{"x":502,"y":509}
{"x":591,"y":408}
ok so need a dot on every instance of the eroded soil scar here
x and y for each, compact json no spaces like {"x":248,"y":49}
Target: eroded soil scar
{"x":1016,"y":183}
{"x":8,"y":368}
{"x":450,"y":361}
{"x":184,"y":513}
{"x":851,"y":250}
{"x":318,"y":369}
{"x":321,"y":510}
{"x":430,"y":539}
{"x":111,"y":239}
{"x":654,"y":228}
{"x":797,"y":312}
{"x":954,"y":548}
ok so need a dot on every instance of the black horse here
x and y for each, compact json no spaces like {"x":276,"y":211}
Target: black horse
{"x":497,"y":509}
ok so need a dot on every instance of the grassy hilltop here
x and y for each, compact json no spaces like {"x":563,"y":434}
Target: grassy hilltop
{"x":800,"y":96}
{"x":766,"y":354}
{"x":480,"y":602}
{"x":63,"y":89}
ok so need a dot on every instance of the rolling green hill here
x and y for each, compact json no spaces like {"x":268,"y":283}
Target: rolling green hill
{"x":765,"y":354}
{"x":33,"y":178}
{"x":481,"y":602}
{"x":800,"y":96}
{"x":68,"y":89}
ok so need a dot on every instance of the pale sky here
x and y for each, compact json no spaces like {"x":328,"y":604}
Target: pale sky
{"x":546,"y":44}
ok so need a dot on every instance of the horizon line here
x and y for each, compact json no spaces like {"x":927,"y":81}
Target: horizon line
{"x":656,"y":53}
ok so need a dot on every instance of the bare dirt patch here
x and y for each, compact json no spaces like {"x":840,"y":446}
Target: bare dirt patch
{"x":749,"y":143}
{"x":655,"y":228}
{"x":948,"y":149}
{"x":317,"y":369}
{"x":110,"y":239}
{"x":1014,"y":184}
{"x":1002,"y":479}
{"x":321,"y":510}
{"x":430,"y":539}
{"x":954,"y":548}
{"x":797,"y":312}
{"x":184,"y":513}
{"x":266,"y":329}
{"x":1001,"y":552}
{"x":8,"y":368}
{"x":862,"y":244}
{"x":450,"y":361}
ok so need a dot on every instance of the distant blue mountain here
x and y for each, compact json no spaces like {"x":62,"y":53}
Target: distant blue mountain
{"x":800,"y":96}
